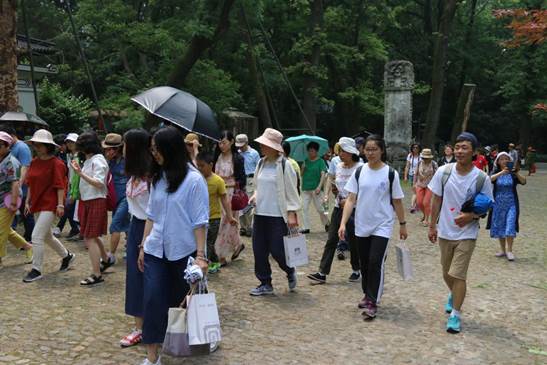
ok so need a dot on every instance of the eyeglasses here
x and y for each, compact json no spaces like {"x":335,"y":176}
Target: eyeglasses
{"x":371,"y":150}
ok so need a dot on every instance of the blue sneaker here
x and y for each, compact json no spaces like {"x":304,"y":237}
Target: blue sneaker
{"x":449,"y":304}
{"x":453,"y":325}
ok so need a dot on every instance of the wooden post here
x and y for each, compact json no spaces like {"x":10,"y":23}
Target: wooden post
{"x":461,"y":121}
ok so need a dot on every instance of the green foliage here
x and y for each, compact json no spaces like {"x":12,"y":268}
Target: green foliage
{"x":63,"y":111}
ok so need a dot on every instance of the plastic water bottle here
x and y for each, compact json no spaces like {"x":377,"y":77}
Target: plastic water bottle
{"x":326,"y":208}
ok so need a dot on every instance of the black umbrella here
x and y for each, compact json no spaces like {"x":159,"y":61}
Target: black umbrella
{"x":180,"y":108}
{"x":24,"y":118}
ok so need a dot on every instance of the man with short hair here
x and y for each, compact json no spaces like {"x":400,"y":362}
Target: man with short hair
{"x":250,"y":159}
{"x":22,"y":153}
{"x":514,"y":155}
{"x":452,"y":186}
{"x":314,"y":173}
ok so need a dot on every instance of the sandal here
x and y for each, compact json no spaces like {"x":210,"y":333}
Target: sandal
{"x":132,"y":339}
{"x":238,"y":252}
{"x":92,"y":280}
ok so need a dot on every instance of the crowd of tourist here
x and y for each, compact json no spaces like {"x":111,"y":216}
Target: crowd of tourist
{"x":172,"y":199}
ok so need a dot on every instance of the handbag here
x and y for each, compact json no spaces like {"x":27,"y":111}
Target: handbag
{"x":404,"y":262}
{"x":203,"y":320}
{"x":240,"y":199}
{"x":296,"y":250}
{"x":177,"y":342}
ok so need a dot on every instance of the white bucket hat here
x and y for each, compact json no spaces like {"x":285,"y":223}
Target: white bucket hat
{"x":348,"y":145}
{"x":43,"y":136}
{"x":72,"y":137}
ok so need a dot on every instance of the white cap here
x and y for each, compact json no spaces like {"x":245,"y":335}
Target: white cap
{"x":348,"y":145}
{"x":241,"y":140}
{"x":72,"y":137}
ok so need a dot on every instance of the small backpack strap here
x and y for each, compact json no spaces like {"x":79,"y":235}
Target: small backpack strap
{"x":446,"y":175}
{"x":357,"y":174}
{"x":391,"y":177}
{"x":480,"y":181}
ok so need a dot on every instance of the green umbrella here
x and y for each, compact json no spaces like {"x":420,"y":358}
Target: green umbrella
{"x":299,"y":146}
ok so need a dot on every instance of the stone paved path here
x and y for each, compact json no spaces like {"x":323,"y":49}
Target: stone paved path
{"x":55,"y":321}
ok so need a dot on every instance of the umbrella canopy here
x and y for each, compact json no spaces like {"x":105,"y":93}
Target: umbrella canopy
{"x":21,"y":117}
{"x":180,"y":108}
{"x":299,"y":144}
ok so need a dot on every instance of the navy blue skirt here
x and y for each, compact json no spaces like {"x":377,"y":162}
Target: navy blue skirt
{"x":134,"y":287}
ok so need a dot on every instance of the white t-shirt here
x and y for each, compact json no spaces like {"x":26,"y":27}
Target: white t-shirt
{"x":342,"y":175}
{"x":413,"y":160}
{"x":267,"y":203}
{"x":373,"y":210}
{"x":457,"y":190}
{"x":137,"y":198}
{"x":97,"y":168}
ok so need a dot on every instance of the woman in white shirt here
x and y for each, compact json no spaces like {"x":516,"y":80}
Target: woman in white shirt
{"x":277,"y":201}
{"x":138,"y":162}
{"x":374,"y":195}
{"x":92,"y":209}
{"x":412,"y":161}
{"x":343,"y":170}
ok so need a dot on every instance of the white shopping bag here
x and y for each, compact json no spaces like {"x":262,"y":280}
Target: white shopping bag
{"x":76,"y":211}
{"x":296,"y":251}
{"x":404,"y":263}
{"x":203,"y":320}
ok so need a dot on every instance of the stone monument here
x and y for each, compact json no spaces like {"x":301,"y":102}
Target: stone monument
{"x":398,"y":85}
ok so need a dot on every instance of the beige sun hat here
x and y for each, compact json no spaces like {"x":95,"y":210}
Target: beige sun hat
{"x":271,"y":138}
{"x":43,"y":136}
{"x":112,"y":140}
{"x":426,"y":153}
{"x":241,"y":140}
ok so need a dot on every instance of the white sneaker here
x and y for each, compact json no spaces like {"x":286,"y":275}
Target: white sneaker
{"x":57,"y":232}
{"x":510,"y":256}
{"x":146,"y":362}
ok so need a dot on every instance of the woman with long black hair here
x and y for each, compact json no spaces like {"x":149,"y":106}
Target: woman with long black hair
{"x":175,"y":229}
{"x":374,"y":194}
{"x":229,"y":165}
{"x":138,"y":163}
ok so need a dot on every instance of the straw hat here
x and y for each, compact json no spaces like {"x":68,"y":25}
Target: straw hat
{"x":112,"y":140}
{"x":348,"y":145}
{"x":190,"y":138}
{"x":426,"y":153}
{"x":43,"y":136}
{"x":271,"y":138}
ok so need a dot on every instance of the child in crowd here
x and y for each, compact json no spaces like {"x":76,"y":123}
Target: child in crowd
{"x":217,"y":196}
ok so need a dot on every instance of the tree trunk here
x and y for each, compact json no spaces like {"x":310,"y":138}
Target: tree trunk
{"x":198,"y":45}
{"x":463,"y":110}
{"x":438,"y":72}
{"x":8,"y":56}
{"x":309,"y":98}
{"x":265,"y":120}
{"x":467,"y":41}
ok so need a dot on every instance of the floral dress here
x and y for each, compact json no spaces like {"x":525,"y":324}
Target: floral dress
{"x":504,"y":211}
{"x":228,"y":235}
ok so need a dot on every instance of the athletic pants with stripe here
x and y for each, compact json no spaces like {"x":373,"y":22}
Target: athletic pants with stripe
{"x":372,"y":256}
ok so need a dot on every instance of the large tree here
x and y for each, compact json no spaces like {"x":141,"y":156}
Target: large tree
{"x":8,"y":56}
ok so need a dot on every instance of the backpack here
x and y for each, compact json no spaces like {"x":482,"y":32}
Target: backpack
{"x":283,"y":162}
{"x":111,"y":199}
{"x":391,"y":177}
{"x":448,"y":171}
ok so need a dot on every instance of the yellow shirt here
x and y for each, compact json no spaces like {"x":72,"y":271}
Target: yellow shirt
{"x":217,"y":188}
{"x":295,"y":166}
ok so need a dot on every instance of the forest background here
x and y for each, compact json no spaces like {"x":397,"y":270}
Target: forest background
{"x":240,"y":54}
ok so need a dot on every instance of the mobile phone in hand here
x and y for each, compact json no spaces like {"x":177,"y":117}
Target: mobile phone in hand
{"x":510,"y":165}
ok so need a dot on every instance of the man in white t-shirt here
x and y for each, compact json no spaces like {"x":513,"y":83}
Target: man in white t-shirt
{"x":456,"y":231}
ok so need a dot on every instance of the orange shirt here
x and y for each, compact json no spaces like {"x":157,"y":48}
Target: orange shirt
{"x":44,"y":178}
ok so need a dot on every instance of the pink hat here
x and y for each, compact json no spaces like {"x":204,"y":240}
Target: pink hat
{"x":271,"y":138}
{"x":6,"y":138}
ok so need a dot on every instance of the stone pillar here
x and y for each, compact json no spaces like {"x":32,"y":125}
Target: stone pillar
{"x":398,"y":85}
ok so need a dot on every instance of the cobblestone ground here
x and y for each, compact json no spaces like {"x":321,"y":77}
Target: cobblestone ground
{"x":55,"y":321}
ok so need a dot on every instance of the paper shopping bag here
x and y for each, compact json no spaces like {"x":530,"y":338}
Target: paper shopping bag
{"x":176,"y":342}
{"x":404,"y":263}
{"x":296,"y":251}
{"x":203,"y":320}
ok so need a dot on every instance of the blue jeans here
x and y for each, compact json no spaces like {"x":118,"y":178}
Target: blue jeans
{"x":164,"y":287}
{"x":69,"y":215}
{"x":268,"y":235}
{"x":120,"y":217}
{"x":28,"y":221}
